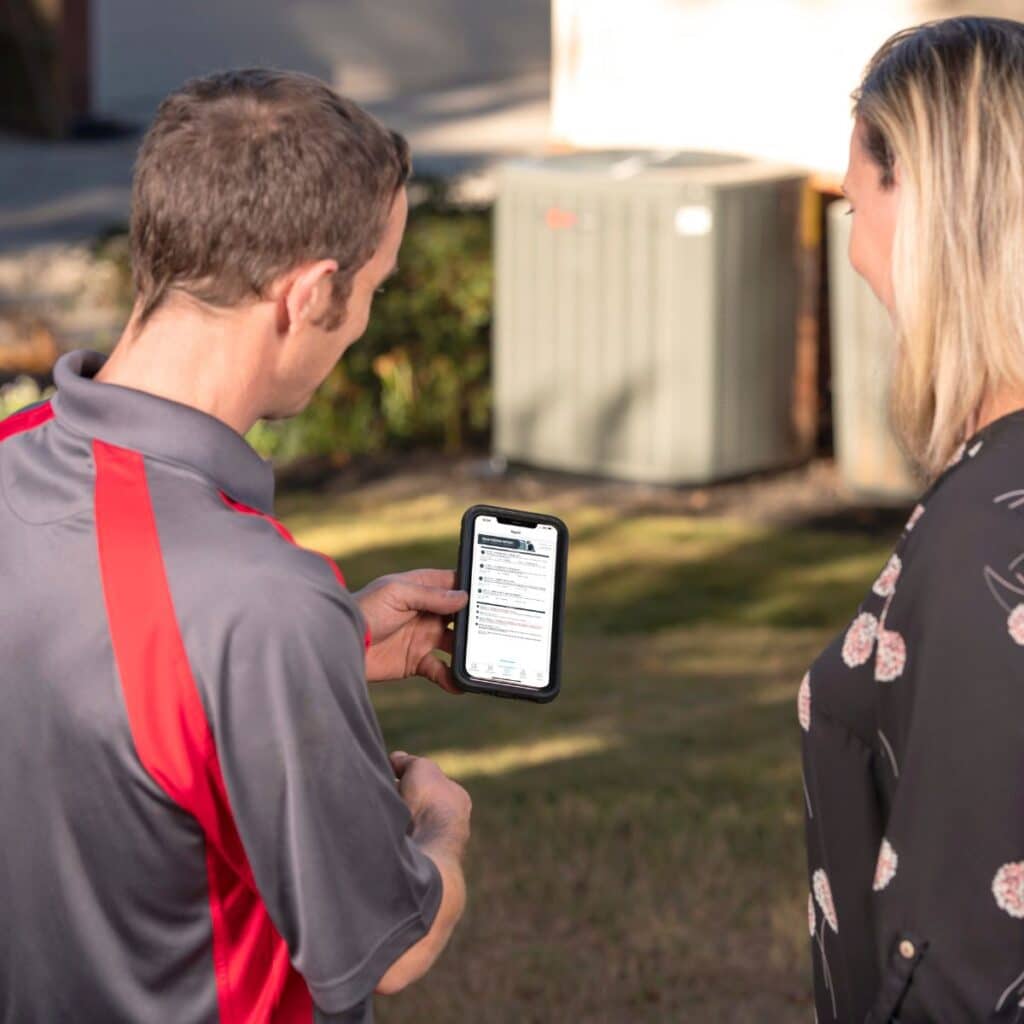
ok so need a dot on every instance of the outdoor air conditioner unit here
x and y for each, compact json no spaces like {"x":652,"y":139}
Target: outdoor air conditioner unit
{"x":646,"y":314}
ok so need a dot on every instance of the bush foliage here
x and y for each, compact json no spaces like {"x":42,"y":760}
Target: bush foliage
{"x":420,"y":377}
{"x":20,"y":392}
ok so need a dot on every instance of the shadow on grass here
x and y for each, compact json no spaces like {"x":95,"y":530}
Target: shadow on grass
{"x":777,"y":578}
{"x":660,"y":879}
{"x":638,"y":850}
{"x":781,"y":578}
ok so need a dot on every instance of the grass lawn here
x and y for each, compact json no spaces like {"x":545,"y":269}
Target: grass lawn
{"x":638,"y":849}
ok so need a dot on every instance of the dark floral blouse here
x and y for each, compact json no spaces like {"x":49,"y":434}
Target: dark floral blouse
{"x":912,"y":725}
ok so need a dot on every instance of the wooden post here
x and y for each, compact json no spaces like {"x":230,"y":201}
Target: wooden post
{"x":75,"y":61}
{"x":44,"y":65}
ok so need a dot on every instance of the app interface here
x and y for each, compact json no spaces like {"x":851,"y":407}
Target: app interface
{"x":511,"y":602}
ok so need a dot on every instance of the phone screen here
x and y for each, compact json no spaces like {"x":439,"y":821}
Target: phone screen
{"x":511,"y":602}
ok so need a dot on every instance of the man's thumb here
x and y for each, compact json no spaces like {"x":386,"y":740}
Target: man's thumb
{"x":436,"y":600}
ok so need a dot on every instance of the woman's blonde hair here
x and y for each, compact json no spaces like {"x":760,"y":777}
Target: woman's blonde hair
{"x":944,"y":104}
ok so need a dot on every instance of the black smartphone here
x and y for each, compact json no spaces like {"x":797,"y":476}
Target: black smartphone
{"x":508,"y":638}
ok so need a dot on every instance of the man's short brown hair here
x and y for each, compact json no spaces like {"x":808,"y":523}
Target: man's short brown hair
{"x":246,"y":174}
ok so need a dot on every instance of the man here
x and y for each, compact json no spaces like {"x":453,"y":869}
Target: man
{"x":201,"y":822}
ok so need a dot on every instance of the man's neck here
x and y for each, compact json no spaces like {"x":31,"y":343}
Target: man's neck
{"x":195,"y":359}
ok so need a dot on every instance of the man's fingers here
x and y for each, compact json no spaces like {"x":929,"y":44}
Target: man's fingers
{"x":432,"y":668}
{"x":433,"y":635}
{"x":400,"y":762}
{"x":438,"y":600}
{"x":446,"y":681}
{"x":442,"y":579}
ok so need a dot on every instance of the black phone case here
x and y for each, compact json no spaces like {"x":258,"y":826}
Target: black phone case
{"x":462,"y":678}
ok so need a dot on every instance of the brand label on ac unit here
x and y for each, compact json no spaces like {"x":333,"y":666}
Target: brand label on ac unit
{"x":693,"y":220}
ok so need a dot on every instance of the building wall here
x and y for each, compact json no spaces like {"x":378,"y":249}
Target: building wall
{"x":766,"y":77}
{"x":373,"y":50}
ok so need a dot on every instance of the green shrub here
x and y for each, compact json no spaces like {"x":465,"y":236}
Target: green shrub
{"x":421,"y":375}
{"x":20,"y":392}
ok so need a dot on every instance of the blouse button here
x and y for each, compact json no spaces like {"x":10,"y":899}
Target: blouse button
{"x":907,"y":949}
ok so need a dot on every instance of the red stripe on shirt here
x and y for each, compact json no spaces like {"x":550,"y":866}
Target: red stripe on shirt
{"x":255,"y":979}
{"x":27,"y":419}
{"x":284,"y":532}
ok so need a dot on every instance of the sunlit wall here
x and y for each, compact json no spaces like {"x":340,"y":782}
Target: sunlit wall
{"x":767,"y":77}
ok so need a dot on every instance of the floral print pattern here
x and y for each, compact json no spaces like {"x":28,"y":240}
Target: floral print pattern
{"x":867,"y":630}
{"x":1008,"y":889}
{"x":874,"y":753}
{"x":803,"y":702}
{"x":859,"y":643}
{"x":892,"y":656}
{"x":1008,"y":589}
{"x":860,"y":640}
{"x":885,"y":869}
{"x":1015,"y":624}
{"x":885,"y":585}
{"x":823,"y":896}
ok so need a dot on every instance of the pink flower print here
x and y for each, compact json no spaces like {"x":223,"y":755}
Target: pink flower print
{"x":957,"y":456}
{"x":891,"y":657}
{"x":860,"y":640}
{"x":885,"y":585}
{"x":823,"y":896}
{"x":803,"y":703}
{"x":914,"y":517}
{"x":1015,"y":624}
{"x":1008,"y":889}
{"x":812,"y":919}
{"x":885,"y":869}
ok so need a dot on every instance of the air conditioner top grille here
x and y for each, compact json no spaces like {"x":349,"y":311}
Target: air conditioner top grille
{"x":639,"y":164}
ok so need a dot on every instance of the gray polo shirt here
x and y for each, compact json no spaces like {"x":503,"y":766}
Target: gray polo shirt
{"x":199,"y":819}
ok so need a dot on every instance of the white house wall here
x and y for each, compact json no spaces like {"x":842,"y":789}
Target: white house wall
{"x":769,"y":78}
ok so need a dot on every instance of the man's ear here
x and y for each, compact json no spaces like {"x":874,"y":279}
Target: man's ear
{"x":304,"y":296}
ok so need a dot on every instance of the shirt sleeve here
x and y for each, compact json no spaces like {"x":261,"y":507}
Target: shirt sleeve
{"x":312,"y":790}
{"x":948,"y":888}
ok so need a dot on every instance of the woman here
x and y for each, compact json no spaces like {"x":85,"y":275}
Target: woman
{"x":913,"y":720}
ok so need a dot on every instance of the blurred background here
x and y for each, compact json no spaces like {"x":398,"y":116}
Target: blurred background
{"x":624,"y":299}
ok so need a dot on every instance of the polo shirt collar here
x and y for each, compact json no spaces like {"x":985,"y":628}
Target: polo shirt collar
{"x":161,"y":428}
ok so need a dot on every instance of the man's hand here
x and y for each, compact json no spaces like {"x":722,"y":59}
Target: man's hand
{"x":440,"y":828}
{"x":440,"y":808}
{"x":408,"y":615}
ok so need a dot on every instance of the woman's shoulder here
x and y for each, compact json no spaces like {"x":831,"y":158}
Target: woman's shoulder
{"x":967,"y":533}
{"x":980,"y":493}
